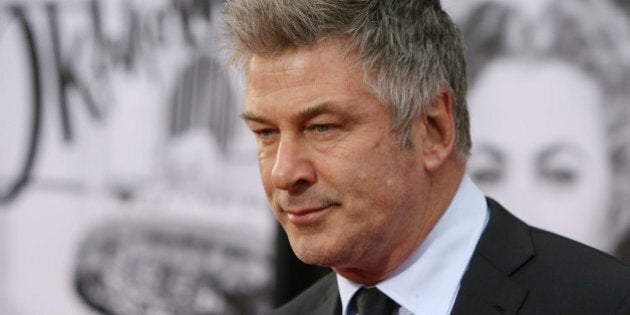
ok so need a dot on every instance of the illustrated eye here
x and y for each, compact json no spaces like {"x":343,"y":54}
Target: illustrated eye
{"x":560,"y":176}
{"x":560,"y":165}
{"x":486,"y":176}
{"x":487,"y":166}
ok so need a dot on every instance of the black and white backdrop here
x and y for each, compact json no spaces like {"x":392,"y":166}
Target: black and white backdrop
{"x":127,"y":183}
{"x":129,"y":186}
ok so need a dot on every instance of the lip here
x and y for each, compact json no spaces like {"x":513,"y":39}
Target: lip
{"x":307,"y":216}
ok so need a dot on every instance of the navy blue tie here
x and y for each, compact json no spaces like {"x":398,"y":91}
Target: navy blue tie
{"x":371,"y":301}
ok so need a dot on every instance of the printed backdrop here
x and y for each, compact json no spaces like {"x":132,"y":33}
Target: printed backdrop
{"x":127,"y":183}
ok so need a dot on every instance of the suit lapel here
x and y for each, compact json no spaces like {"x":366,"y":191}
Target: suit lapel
{"x":323,"y":300}
{"x":504,"y":247}
{"x":330,"y":304}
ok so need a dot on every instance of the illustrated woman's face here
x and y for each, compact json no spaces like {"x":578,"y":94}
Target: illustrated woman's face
{"x":540,"y":147}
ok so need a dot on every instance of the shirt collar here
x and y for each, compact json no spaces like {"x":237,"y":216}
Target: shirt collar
{"x":428,"y":281}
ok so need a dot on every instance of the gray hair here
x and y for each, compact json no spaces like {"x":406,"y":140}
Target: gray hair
{"x":409,"y":49}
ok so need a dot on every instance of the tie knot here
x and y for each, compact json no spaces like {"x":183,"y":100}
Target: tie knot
{"x":371,"y":301}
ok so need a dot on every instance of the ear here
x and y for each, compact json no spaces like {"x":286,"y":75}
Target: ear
{"x":438,"y":125}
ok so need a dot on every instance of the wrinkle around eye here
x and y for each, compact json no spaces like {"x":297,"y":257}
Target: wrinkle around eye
{"x":266,"y":136}
{"x":324,"y":133}
{"x":320,"y":129}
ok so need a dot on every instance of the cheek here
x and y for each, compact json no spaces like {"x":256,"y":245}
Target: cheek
{"x":389,"y":180}
{"x":266,"y":163}
{"x":583,"y":206}
{"x":593,"y":193}
{"x":357,"y":174}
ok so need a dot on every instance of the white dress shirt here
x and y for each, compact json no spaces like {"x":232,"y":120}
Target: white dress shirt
{"x":427,"y":283}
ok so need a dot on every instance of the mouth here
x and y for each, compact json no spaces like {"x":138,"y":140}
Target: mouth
{"x":308,"y":216}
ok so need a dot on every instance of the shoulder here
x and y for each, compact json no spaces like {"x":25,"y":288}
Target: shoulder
{"x":557,"y":273}
{"x":568,"y":272}
{"x":558,"y":255}
{"x":323,"y":294}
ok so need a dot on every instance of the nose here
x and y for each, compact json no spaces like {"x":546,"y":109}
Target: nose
{"x":293,"y":169}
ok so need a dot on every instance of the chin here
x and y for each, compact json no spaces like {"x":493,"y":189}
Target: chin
{"x":315,"y":260}
{"x":312,"y":257}
{"x":316,"y":255}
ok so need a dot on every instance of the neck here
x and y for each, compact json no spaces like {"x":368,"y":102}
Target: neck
{"x":442,"y":185}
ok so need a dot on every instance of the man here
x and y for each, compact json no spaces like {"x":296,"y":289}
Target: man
{"x":360,"y":116}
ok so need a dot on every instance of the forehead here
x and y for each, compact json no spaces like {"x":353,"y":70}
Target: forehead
{"x":295,"y":78}
{"x":306,"y":64}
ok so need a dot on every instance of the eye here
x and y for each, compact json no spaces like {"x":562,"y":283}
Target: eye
{"x":486,"y":176}
{"x":264,"y":132}
{"x":560,"y":176}
{"x":323,"y":128}
{"x":323,"y":132}
{"x":560,"y":165}
{"x":265,"y":135}
{"x":487,"y":165}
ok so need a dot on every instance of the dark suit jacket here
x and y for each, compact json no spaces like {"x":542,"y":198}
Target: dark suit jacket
{"x":515,"y":269}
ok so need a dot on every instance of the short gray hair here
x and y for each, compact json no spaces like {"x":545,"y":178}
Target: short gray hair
{"x":409,"y":49}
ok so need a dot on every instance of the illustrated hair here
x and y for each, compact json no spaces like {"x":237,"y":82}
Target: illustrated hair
{"x":590,"y":35}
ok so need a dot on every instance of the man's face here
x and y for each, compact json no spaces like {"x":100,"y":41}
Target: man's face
{"x":345,"y":193}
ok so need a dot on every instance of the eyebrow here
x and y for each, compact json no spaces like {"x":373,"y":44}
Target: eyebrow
{"x":557,"y":147}
{"x":251,"y":116}
{"x":314,"y":111}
